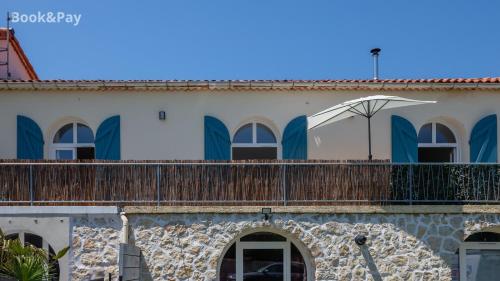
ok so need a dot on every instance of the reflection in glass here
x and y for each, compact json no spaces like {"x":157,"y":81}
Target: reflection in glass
{"x":265,"y":135}
{"x":64,"y":154}
{"x":425,"y":134}
{"x":84,"y":134}
{"x":482,"y":265}
{"x":444,"y":134}
{"x":244,"y":134}
{"x":263,"y":265}
{"x":65,"y":134}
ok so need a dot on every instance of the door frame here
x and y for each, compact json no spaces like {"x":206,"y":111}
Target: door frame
{"x":285,"y":246}
{"x":473,"y":246}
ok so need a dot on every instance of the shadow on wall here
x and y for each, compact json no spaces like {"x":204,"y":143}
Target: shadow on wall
{"x":133,"y":265}
{"x":411,"y":246}
{"x":372,"y":266}
{"x":145,"y":273}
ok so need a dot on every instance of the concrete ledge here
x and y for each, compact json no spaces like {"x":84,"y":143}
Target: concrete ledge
{"x":418,"y":209}
{"x":58,"y":210}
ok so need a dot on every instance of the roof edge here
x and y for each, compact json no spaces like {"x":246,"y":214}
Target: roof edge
{"x":21,"y":54}
{"x":267,"y":85}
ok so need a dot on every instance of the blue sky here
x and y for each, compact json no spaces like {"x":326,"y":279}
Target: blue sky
{"x":262,"y":39}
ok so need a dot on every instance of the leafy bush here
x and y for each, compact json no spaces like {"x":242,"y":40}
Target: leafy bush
{"x":26,"y":262}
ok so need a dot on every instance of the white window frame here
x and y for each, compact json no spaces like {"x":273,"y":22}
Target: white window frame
{"x":434,"y":144}
{"x":254,"y":142}
{"x":473,"y":246}
{"x":285,"y":246}
{"x":69,"y":146}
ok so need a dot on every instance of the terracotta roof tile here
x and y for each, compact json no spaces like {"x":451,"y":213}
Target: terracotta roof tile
{"x":379,"y":81}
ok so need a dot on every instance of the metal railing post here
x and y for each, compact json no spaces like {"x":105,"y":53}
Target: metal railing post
{"x":283,"y":184}
{"x":158,"y":185}
{"x":31,"y":184}
{"x":410,"y":179}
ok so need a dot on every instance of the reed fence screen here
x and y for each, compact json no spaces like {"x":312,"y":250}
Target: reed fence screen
{"x":246,"y":183}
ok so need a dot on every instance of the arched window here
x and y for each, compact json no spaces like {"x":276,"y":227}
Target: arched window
{"x":27,"y":238}
{"x":480,"y":257}
{"x":254,"y":141}
{"x":263,"y":256}
{"x":436,"y":143}
{"x":73,"y":141}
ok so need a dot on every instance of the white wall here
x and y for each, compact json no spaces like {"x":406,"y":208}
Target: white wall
{"x":143,"y":136}
{"x":54,"y":229}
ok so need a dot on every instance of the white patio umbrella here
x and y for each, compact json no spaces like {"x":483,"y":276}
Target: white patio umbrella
{"x":366,"y":107}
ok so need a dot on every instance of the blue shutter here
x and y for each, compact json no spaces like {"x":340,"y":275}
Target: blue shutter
{"x":217,"y":140}
{"x":29,"y":139}
{"x":483,"y":140}
{"x":404,"y":141}
{"x":295,"y":139}
{"x":107,"y":139}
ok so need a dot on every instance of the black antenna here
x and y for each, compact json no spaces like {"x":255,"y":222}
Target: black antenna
{"x":6,"y":49}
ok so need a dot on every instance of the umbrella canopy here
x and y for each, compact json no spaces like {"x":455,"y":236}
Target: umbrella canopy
{"x":366,"y":107}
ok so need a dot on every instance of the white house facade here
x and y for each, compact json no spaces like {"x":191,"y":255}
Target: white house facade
{"x":222,"y":180}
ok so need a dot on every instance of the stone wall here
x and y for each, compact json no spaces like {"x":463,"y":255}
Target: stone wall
{"x":190,"y":246}
{"x":95,"y":244}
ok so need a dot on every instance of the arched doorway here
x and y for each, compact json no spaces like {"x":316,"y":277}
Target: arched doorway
{"x":263,"y":256}
{"x":480,"y":257}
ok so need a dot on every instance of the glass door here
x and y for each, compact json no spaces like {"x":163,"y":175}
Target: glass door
{"x":263,"y":261}
{"x":479,"y":261}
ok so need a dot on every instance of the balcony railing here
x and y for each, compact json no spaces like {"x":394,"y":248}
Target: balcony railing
{"x":246,"y":183}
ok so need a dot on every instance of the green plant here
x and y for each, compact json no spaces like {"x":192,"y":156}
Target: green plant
{"x":26,"y":262}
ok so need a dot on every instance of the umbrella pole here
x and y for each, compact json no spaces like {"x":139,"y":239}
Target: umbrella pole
{"x":369,"y":140}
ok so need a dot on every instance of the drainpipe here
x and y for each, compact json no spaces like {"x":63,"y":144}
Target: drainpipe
{"x":124,"y":228}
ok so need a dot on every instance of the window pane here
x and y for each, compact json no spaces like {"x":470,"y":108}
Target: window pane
{"x":254,"y":153}
{"x":484,"y":236}
{"x":298,"y":266}
{"x":482,"y":264}
{"x":425,"y":134}
{"x":12,"y":236}
{"x":85,"y":153}
{"x":64,"y":135}
{"x":265,"y":135}
{"x":262,"y":237}
{"x":64,"y":154}
{"x":436,"y":154}
{"x":244,"y":134}
{"x":33,"y":239}
{"x":228,"y":265}
{"x":263,"y":264}
{"x":444,"y":134}
{"x":84,"y":134}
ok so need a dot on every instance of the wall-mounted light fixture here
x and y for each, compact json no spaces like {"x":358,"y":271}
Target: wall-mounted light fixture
{"x":360,"y":239}
{"x":162,"y":115}
{"x":267,"y":213}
